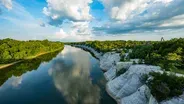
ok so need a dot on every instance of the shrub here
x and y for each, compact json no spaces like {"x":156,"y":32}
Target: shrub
{"x":164,"y":86}
{"x":122,"y":71}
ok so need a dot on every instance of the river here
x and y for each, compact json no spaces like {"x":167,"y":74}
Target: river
{"x":71,"y":77}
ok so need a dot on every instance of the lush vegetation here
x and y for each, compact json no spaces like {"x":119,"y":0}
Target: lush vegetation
{"x":164,"y":86}
{"x":13,"y":50}
{"x":106,"y":46}
{"x":26,"y":65}
{"x":168,"y":54}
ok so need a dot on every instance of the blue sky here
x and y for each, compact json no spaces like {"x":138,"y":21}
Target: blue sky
{"x":79,"y":20}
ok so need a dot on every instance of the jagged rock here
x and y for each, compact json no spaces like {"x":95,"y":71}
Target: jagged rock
{"x":128,"y":88}
{"x":111,"y":73}
{"x":141,"y":96}
{"x":108,"y":60}
{"x":130,"y":81}
{"x":152,"y":100}
{"x":123,"y":65}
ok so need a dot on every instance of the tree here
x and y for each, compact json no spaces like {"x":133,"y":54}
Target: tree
{"x":173,"y":57}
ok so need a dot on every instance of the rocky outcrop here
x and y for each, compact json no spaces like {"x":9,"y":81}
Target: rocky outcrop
{"x":129,"y":88}
{"x":141,"y":96}
{"x":123,"y":65}
{"x":152,"y":100}
{"x":111,"y":73}
{"x":108,"y":60}
{"x":129,"y":82}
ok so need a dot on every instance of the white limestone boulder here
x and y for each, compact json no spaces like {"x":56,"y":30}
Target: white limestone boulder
{"x":123,"y":65}
{"x":111,"y":73}
{"x":108,"y":60}
{"x":152,"y":100}
{"x":128,"y":83}
{"x":141,"y":96}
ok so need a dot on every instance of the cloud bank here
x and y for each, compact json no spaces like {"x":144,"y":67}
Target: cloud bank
{"x":60,"y":10}
{"x":74,"y":11}
{"x":132,"y":16}
{"x":79,"y":20}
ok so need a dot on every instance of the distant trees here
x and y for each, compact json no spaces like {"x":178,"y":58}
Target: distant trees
{"x":167,"y":54}
{"x":106,"y":46}
{"x":141,"y":51}
{"x":27,"y":65}
{"x":12,"y":50}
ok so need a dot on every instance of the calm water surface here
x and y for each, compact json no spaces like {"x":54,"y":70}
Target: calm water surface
{"x":72,"y":77}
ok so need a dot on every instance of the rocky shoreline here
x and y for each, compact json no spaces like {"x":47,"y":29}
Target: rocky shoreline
{"x":129,"y":87}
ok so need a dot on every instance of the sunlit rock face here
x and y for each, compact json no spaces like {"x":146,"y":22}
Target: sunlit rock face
{"x":123,"y":65}
{"x":111,"y":73}
{"x":72,"y":79}
{"x":141,"y":96}
{"x":108,"y":60}
{"x":129,"y":82}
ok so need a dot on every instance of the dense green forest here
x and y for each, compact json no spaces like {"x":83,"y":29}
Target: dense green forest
{"x":167,"y":54}
{"x":106,"y":46}
{"x":24,"y":66}
{"x":14,"y":50}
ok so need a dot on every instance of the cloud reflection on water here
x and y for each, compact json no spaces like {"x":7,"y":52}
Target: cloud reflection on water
{"x":72,"y":77}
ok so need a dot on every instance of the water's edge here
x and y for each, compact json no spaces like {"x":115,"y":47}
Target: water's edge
{"x":96,"y":55}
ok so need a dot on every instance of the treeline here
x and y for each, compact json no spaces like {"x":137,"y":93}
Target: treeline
{"x":106,"y":46}
{"x":13,"y":50}
{"x":24,"y":66}
{"x":168,"y":54}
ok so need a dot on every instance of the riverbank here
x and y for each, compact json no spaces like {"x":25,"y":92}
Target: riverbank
{"x":128,"y":88}
{"x":28,"y":58}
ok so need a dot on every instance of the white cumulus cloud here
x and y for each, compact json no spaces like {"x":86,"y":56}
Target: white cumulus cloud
{"x":73,"y":10}
{"x":7,"y":3}
{"x":127,"y":16}
{"x":77,"y":31}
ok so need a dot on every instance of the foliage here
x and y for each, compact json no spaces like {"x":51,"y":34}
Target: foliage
{"x":26,"y":65}
{"x":106,"y":46}
{"x":120,"y":72}
{"x":165,"y":86}
{"x":13,"y":50}
{"x":168,"y":54}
